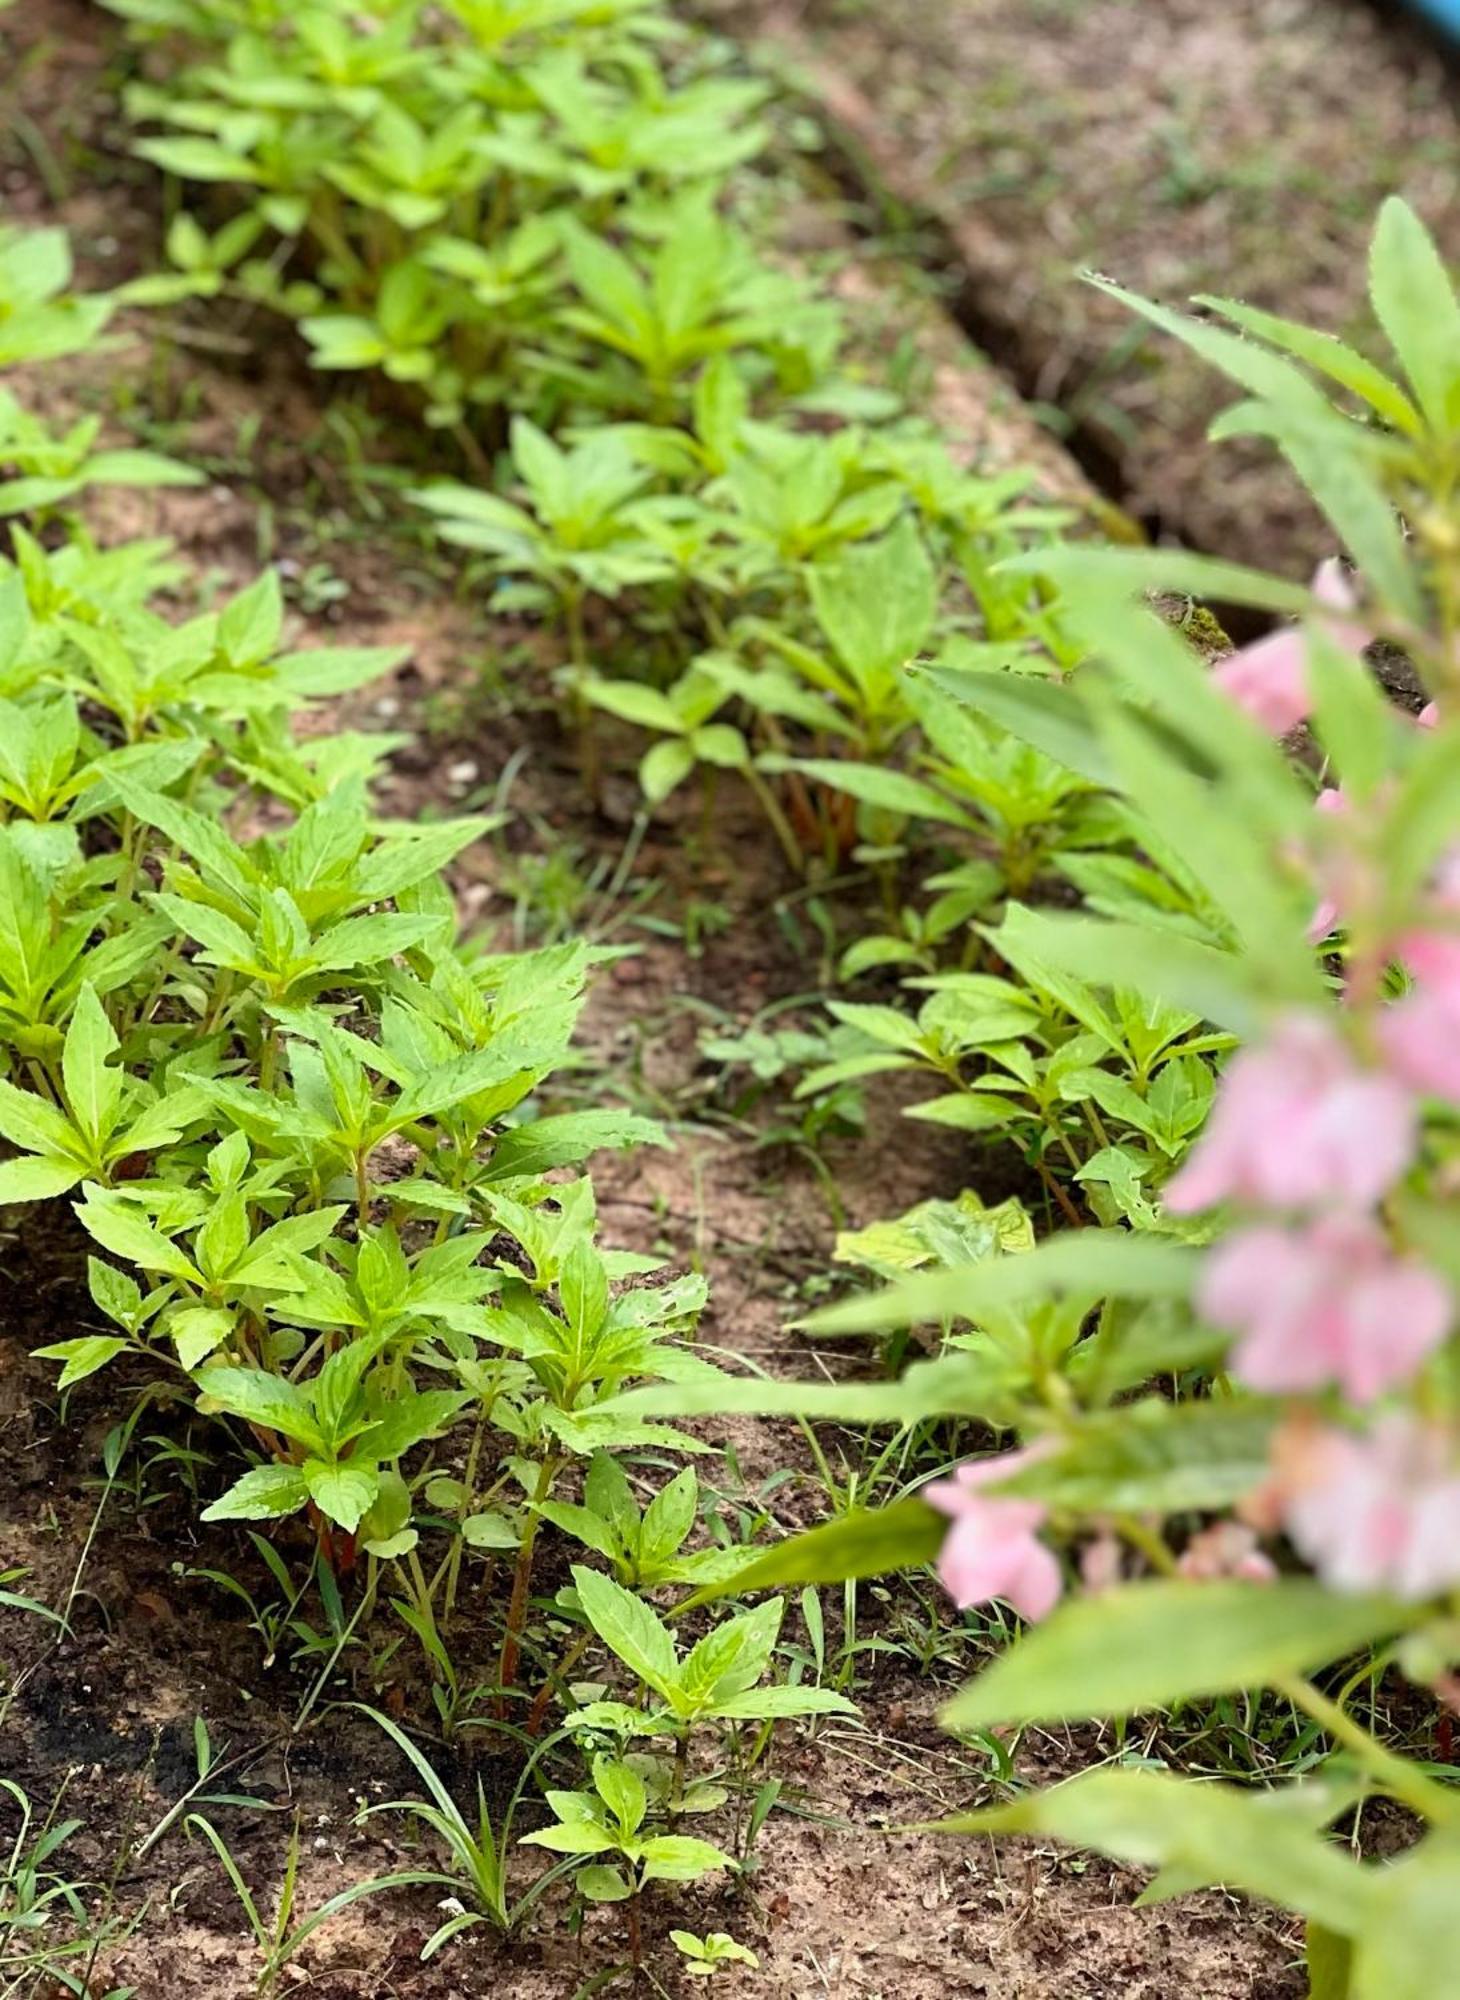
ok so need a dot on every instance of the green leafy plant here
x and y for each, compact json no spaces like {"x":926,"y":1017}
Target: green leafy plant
{"x":565,"y":250}
{"x":717,"y":1680}
{"x":645,"y":1546}
{"x":519,"y":215}
{"x":610,"y":1820}
{"x":48,"y":1935}
{"x":704,"y":1956}
{"x":42,"y":319}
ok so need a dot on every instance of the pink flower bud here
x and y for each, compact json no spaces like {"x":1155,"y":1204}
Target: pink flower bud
{"x":1269,"y":678}
{"x":1226,"y":1548}
{"x":1339,"y":871}
{"x":1100,"y":1562}
{"x":1431,"y":947}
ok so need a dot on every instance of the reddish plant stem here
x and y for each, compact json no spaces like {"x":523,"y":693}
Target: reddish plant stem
{"x":521,"y":1583}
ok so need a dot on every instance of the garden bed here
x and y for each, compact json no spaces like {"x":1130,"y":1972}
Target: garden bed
{"x":837,"y":1907}
{"x":104,"y":1719}
{"x":1176,"y":148}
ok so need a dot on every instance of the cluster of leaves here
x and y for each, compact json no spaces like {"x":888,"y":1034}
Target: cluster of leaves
{"x":293,"y":1100}
{"x":42,"y":319}
{"x":620,"y":1831}
{"x":528,"y":212}
{"x":1063,"y":1336}
{"x":777,"y":547}
{"x":444,"y":176}
{"x":294,"y":1110}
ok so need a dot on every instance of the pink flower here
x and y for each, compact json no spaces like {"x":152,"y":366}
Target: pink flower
{"x":1433,"y":956}
{"x":1352,"y":879}
{"x":1374,"y":1512}
{"x":1297,"y":1121}
{"x":1431,"y":949}
{"x":992,"y":1549}
{"x":1326,"y":1303}
{"x":1421,"y":1038}
{"x":1269,"y":678}
{"x":1226,"y":1548}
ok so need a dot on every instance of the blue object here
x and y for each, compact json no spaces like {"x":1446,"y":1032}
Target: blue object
{"x":1445,"y":14}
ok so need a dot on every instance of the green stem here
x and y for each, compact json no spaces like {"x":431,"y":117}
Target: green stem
{"x":1150,"y":1544}
{"x":780,"y":825}
{"x":468,"y":1498}
{"x":583,"y":707}
{"x":267,"y":1056}
{"x":1393,"y":1773}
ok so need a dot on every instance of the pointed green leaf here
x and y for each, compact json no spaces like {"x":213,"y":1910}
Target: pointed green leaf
{"x":261,"y":1495}
{"x":775,"y":1704}
{"x":118,"y":1226}
{"x":865,"y":1542}
{"x":93,"y":1086}
{"x":629,"y":1628}
{"x":36,"y":1179}
{"x":82,"y":1357}
{"x":259,"y":1398}
{"x":564,"y":1140}
{"x":1416,"y":305}
{"x":1216,"y":1832}
{"x":29,"y":1121}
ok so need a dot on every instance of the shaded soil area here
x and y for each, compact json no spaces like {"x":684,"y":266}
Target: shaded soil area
{"x":1175,"y":146}
{"x":103,"y":1720}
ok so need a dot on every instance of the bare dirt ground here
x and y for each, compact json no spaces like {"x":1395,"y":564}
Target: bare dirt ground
{"x":837,"y":1907}
{"x":1173,"y":145}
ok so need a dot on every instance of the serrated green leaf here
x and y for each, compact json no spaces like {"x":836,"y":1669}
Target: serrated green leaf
{"x":82,"y":1357}
{"x":118,"y":1227}
{"x":27,"y":1120}
{"x":567,"y":1138}
{"x":677,"y":1857}
{"x":629,"y":1628}
{"x":261,"y":1495}
{"x":36,"y":1179}
{"x":343,"y":1493}
{"x":412,"y":1418}
{"x":266,"y":1400}
{"x":1417,"y":308}
{"x":862,"y":1543}
{"x":774,"y":1704}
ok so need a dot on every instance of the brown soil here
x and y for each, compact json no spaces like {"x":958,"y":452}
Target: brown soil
{"x":836,"y":1907}
{"x":1177,"y":146}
